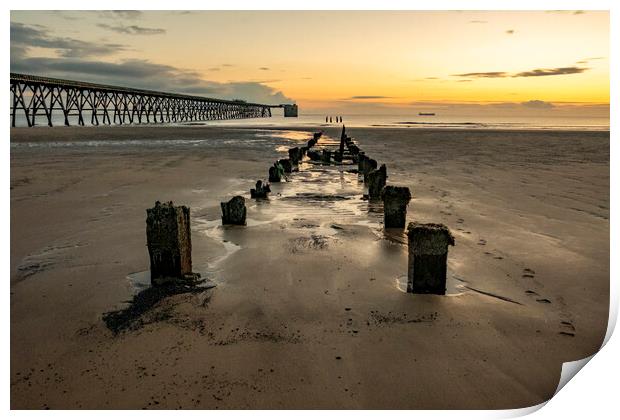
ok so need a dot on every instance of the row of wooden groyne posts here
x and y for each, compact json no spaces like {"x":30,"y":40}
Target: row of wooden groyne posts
{"x":169,"y":234}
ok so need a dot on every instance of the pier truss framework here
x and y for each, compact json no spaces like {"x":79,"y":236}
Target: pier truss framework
{"x":37,"y":97}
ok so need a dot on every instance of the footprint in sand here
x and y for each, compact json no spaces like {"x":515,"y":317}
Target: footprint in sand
{"x":543,"y":300}
{"x":482,"y":242}
{"x":528,"y":273}
{"x":459,"y":221}
{"x":531,"y":293}
{"x":568,"y":328}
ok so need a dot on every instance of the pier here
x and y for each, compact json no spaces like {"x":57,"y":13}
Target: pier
{"x":36,"y":96}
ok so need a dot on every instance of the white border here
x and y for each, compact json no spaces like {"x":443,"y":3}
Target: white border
{"x":593,"y":393}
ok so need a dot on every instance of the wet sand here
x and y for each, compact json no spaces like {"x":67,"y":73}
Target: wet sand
{"x":307,"y":311}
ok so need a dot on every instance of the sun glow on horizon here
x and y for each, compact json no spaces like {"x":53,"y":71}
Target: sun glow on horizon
{"x":331,"y":59}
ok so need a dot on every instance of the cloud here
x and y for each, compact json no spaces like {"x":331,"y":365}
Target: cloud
{"x":228,"y":65}
{"x":263,"y":68}
{"x":144,"y":74}
{"x":352,"y":98}
{"x":121,"y":14}
{"x":557,"y":71}
{"x":488,"y":74}
{"x":510,"y":31}
{"x":431,"y":78}
{"x":214,"y":69}
{"x":25,"y":37}
{"x":464,"y":80}
{"x":586,"y":60}
{"x":535,"y":103}
{"x":478,"y":21}
{"x":572,"y":12}
{"x":551,"y":72}
{"x":132,"y":29}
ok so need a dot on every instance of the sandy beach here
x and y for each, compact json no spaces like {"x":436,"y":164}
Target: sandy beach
{"x":308,"y":309}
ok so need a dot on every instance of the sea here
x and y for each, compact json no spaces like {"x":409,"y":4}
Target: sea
{"x":405,"y":121}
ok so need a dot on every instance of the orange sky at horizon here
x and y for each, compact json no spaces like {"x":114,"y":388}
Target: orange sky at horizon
{"x":326,"y":59}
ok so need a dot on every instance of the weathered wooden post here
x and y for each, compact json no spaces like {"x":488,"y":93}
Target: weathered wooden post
{"x":286,"y":165}
{"x":343,"y":138}
{"x":376,"y":182}
{"x":327,"y":156}
{"x":369,"y":165}
{"x":276,"y":172}
{"x":428,"y":257}
{"x":169,"y":241}
{"x":234,"y":211}
{"x":294,"y":155}
{"x":361,"y":161}
{"x":261,"y":190}
{"x":395,"y":201}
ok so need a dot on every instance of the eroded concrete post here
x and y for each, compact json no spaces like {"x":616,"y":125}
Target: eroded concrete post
{"x":376,"y":182}
{"x":343,"y":138}
{"x":169,"y":241}
{"x":428,"y":257}
{"x":261,"y":191}
{"x":234,"y":211}
{"x":395,"y":201}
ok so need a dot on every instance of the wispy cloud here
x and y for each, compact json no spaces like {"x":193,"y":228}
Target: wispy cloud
{"x":121,"y":14}
{"x":478,"y":21}
{"x":551,"y":72}
{"x":487,"y":74}
{"x":132,"y":29}
{"x":263,"y":68}
{"x":510,"y":31}
{"x":572,"y":12}
{"x":25,"y":37}
{"x":558,"y":71}
{"x":535,"y":103}
{"x":352,"y":98}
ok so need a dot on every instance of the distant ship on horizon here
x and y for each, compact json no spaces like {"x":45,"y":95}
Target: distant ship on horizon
{"x":426,"y":114}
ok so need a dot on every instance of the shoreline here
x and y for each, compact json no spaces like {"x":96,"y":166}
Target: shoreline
{"x":190,"y":132}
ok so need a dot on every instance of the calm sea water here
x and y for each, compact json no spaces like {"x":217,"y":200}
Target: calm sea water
{"x":410,"y":121}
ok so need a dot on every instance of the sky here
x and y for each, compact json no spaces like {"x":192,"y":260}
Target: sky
{"x":496,"y":62}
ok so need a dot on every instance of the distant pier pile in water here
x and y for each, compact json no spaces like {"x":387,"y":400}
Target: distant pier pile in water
{"x":329,"y":119}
